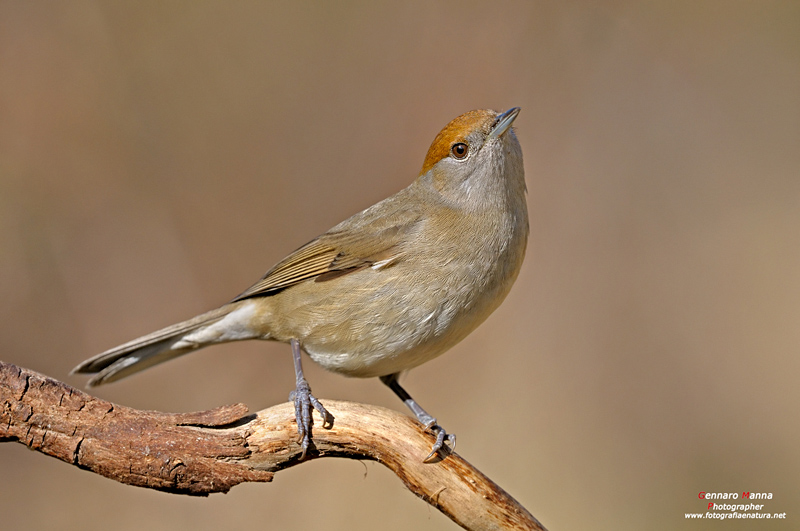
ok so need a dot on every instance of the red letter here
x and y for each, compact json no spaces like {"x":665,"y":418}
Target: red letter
{"x":701,"y":495}
{"x":746,"y":495}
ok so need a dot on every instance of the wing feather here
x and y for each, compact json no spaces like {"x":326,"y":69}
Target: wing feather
{"x":335,"y":253}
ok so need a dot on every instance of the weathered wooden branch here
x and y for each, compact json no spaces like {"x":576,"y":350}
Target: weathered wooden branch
{"x":212,"y":451}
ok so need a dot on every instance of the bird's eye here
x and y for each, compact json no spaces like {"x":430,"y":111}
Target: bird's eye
{"x":459,"y":150}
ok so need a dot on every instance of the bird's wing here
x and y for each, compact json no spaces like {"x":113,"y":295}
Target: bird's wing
{"x":336,"y":253}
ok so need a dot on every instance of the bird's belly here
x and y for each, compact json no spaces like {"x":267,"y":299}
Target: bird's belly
{"x":368,"y":344}
{"x":379,"y":352}
{"x":381,"y":328}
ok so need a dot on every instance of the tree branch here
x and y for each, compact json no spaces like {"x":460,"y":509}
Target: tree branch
{"x":212,"y":451}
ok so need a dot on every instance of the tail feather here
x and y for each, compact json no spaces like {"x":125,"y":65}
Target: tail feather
{"x":146,"y":351}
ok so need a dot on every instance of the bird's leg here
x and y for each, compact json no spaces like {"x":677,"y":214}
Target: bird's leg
{"x":304,"y":401}
{"x":423,"y":416}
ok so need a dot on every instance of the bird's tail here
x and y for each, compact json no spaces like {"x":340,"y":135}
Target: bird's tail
{"x":146,"y":351}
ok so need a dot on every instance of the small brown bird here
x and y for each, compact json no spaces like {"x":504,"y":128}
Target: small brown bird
{"x":388,"y":289}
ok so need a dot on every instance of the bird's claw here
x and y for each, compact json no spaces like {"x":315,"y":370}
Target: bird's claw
{"x":304,"y":404}
{"x":441,"y":437}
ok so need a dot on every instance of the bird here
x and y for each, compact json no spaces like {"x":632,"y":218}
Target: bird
{"x":386,"y":290}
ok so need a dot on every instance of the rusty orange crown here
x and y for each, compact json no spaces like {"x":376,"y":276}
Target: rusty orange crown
{"x":457,"y":131}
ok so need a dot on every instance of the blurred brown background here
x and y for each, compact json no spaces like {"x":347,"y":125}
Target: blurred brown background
{"x":156,"y":158}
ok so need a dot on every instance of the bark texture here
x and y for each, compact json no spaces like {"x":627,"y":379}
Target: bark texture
{"x":212,"y":451}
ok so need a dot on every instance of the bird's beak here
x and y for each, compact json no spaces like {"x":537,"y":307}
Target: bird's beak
{"x":503,"y":122}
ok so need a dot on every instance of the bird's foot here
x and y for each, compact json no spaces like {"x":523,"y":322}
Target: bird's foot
{"x":442,"y":436}
{"x":304,"y":404}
